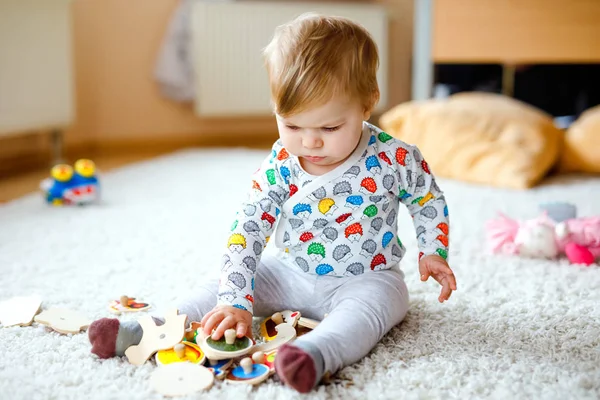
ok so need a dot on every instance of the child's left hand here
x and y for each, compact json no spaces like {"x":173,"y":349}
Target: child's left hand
{"x":438,"y":268}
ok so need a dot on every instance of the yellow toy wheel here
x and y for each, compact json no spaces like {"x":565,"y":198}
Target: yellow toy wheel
{"x":61,"y":172}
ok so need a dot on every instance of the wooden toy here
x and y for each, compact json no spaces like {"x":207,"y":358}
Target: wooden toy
{"x":157,"y":338}
{"x":285,"y":333}
{"x":229,"y":346}
{"x":267,"y":359}
{"x":248,"y":372}
{"x":127,"y":304}
{"x":308,"y":323}
{"x":267,"y":327}
{"x":63,"y":320}
{"x":181,"y":352}
{"x":192,"y":332}
{"x":19,"y":310}
{"x":181,"y":379}
{"x":219,"y":367}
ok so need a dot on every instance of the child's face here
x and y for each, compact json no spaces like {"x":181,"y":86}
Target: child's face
{"x":323,"y":137}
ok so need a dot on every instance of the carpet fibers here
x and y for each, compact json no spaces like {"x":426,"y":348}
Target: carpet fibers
{"x":515,"y":329}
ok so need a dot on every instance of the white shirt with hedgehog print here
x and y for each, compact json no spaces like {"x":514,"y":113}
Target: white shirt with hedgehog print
{"x":340,"y":223}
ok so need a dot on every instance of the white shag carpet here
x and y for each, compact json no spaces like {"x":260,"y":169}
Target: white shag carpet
{"x":515,"y":329}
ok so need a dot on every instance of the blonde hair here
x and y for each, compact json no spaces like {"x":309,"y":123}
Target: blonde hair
{"x":314,"y":58}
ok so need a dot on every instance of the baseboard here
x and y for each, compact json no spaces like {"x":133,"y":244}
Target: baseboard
{"x":34,"y":152}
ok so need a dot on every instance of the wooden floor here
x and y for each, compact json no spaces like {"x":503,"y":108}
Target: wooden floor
{"x":13,"y":187}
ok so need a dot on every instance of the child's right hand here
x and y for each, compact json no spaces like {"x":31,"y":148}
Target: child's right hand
{"x":224,"y":317}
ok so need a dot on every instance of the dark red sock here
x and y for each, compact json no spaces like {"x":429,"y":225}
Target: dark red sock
{"x":103,"y":337}
{"x":295,"y":368}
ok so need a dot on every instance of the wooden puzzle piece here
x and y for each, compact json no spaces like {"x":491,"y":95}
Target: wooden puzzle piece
{"x":229,"y":346}
{"x":285,"y":333}
{"x":19,"y":310}
{"x":180,"y":379}
{"x":63,"y":320}
{"x":248,"y":372}
{"x":267,"y":327}
{"x":157,"y":338}
{"x":127,"y":304}
{"x":219,"y":367}
{"x":181,"y":352}
{"x":267,"y":359}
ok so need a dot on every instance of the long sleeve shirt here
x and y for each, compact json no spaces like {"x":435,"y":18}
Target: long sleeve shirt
{"x":340,"y":223}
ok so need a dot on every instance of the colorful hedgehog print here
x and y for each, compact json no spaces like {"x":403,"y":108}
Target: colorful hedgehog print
{"x":270,"y":173}
{"x":323,"y":269}
{"x":373,"y":166}
{"x":268,"y":220}
{"x":316,"y":251}
{"x":370,"y":211}
{"x":354,"y":232}
{"x":385,"y":157}
{"x":285,"y":174}
{"x":344,"y":219}
{"x":347,"y":239}
{"x":283,"y":154}
{"x":236,"y":243}
{"x":387,"y":238}
{"x":378,"y":262}
{"x":354,"y":201}
{"x":327,"y":206}
{"x":368,"y":186}
{"x":384,"y":137}
{"x":302,"y":210}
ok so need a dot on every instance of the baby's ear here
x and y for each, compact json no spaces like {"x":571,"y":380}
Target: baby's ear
{"x":366,"y":115}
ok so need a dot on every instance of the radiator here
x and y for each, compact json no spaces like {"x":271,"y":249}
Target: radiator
{"x":36,"y":73}
{"x":227,"y":40}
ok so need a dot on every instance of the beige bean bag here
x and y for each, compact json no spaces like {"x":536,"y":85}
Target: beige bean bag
{"x":479,"y":137}
{"x":581,"y":151}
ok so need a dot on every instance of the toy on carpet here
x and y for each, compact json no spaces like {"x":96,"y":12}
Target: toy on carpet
{"x":63,"y":320}
{"x":19,"y":310}
{"x":127,"y":304}
{"x":181,"y":379}
{"x":267,"y":327}
{"x":249,"y":372}
{"x":197,"y":354}
{"x":157,"y":338}
{"x":229,"y":346}
{"x":181,"y":352}
{"x":555,"y":231}
{"x":77,"y":185}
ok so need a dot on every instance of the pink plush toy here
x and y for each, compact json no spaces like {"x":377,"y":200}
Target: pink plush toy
{"x":546,"y":237}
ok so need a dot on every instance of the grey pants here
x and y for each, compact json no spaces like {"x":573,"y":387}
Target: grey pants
{"x":361,"y":309}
